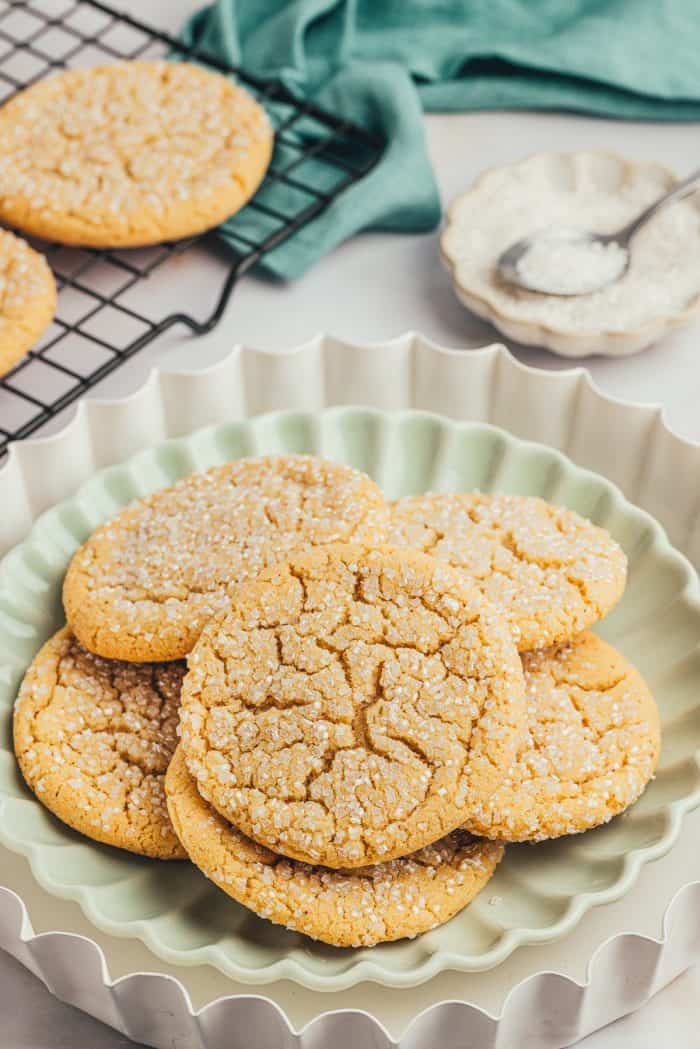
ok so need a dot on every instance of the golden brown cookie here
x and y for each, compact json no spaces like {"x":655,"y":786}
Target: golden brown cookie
{"x":131,"y":153}
{"x":27,"y":298}
{"x":146,"y":582}
{"x":354,"y":908}
{"x":353,"y":705}
{"x":592,"y":745}
{"x":548,"y":571}
{"x":93,"y":739}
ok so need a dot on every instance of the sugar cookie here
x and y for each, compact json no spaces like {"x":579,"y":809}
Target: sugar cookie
{"x":354,"y":908}
{"x":592,"y":745}
{"x":129,"y":154}
{"x":548,"y":571}
{"x":146,"y":582}
{"x":353,"y":706}
{"x":27,"y":298}
{"x":93,"y":739}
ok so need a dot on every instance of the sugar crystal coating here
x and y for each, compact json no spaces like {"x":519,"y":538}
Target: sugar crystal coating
{"x":93,"y":739}
{"x":353,"y":705}
{"x":591,"y":747}
{"x":353,"y":908}
{"x":146,"y":582}
{"x":131,"y":153}
{"x":27,"y":298}
{"x":548,"y":571}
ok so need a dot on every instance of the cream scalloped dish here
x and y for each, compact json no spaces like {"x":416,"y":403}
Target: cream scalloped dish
{"x":598,"y":192}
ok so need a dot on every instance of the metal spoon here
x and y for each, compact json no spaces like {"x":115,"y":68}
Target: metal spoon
{"x":615,"y":247}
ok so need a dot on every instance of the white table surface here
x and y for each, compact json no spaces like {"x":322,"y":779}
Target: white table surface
{"x":372,"y":288}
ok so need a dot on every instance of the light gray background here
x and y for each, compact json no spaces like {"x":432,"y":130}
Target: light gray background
{"x":375,"y":287}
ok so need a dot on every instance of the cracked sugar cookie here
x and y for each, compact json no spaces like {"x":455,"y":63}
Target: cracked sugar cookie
{"x":548,"y":571}
{"x":27,"y":298}
{"x":93,"y":739}
{"x":146,"y":582}
{"x":130,"y":154}
{"x":592,"y":745}
{"x":353,"y":908}
{"x":353,"y":706}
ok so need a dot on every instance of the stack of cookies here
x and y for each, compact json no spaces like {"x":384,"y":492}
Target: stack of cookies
{"x":376,"y":697}
{"x":112,"y":156}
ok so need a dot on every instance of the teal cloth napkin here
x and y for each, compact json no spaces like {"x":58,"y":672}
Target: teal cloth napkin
{"x":378,"y":62}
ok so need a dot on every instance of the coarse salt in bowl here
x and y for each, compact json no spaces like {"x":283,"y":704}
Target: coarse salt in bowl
{"x":597,"y":192}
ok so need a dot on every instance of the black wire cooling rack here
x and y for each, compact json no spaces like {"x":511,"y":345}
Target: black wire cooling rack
{"x":103,"y":317}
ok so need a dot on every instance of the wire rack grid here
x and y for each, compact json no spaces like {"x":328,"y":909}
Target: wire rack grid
{"x":103,"y":316}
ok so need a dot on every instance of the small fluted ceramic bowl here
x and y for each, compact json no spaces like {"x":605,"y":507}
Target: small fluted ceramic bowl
{"x":596,"y":191}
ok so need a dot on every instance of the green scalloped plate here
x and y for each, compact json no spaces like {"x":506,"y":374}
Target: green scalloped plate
{"x":538,"y":893}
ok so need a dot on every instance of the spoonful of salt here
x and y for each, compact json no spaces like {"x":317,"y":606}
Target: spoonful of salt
{"x":566,"y":261}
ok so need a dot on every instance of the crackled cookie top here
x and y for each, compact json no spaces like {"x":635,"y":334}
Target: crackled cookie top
{"x":145,"y":583}
{"x":353,"y":908}
{"x":130,"y":153}
{"x":93,"y":739}
{"x":27,"y":298}
{"x":548,"y":571}
{"x":592,"y":745}
{"x":353,"y":706}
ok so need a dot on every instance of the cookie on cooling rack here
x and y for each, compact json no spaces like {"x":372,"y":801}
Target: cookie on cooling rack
{"x":128,"y":154}
{"x":27,"y":298}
